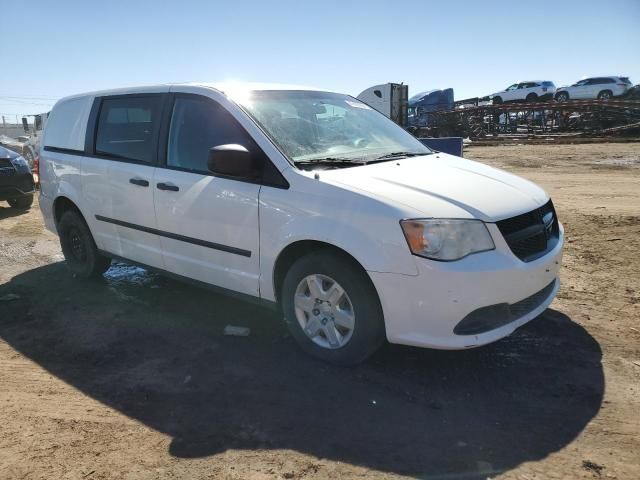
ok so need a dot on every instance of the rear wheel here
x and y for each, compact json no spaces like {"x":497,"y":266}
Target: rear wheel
{"x":562,"y":97}
{"x":532,"y":97}
{"x":332,"y":309}
{"x":605,"y":95}
{"x":22,"y":203}
{"x":79,"y":249}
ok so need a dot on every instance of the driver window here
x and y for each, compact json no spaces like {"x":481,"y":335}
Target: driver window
{"x":512,"y":87}
{"x":197,"y":125}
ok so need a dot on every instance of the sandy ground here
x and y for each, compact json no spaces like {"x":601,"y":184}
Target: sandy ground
{"x":130,"y":377}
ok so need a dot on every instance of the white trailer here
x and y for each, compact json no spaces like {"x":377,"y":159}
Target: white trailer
{"x":390,"y":99}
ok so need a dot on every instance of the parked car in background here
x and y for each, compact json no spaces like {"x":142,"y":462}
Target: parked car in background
{"x":529,"y":91}
{"x":633,"y":93}
{"x":21,"y":145}
{"x":304,"y":198}
{"x":601,"y":88}
{"x":16,"y":181}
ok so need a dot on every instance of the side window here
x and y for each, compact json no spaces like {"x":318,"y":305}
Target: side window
{"x":127,"y":127}
{"x":197,"y":125}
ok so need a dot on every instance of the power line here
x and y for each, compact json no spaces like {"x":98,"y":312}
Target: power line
{"x":24,"y":103}
{"x":28,"y":98}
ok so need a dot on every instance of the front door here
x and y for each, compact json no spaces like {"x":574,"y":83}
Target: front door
{"x":209,"y":224}
{"x":581,"y":90}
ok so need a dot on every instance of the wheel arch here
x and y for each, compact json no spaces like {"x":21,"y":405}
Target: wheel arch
{"x":63,"y":204}
{"x":296,"y":250}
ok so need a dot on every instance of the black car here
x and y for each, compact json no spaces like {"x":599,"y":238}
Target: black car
{"x":16,"y":180}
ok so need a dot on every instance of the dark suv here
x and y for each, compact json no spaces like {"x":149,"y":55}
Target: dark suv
{"x":16,"y":180}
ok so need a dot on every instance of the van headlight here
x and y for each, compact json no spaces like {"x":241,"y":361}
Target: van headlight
{"x":446,"y":240}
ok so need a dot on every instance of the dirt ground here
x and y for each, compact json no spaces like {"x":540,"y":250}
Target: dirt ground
{"x":131,"y":377}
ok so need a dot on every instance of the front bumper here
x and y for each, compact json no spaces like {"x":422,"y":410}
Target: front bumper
{"x":424,"y":310}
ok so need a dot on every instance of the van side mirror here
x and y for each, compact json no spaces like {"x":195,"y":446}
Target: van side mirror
{"x":231,"y":160}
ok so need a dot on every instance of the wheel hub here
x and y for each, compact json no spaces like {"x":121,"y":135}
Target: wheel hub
{"x":77,"y":245}
{"x":324,"y":311}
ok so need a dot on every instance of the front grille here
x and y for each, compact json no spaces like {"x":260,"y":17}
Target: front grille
{"x":489,"y":318}
{"x":531,"y":234}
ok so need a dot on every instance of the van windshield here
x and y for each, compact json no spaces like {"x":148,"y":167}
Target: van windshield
{"x":321,"y":127}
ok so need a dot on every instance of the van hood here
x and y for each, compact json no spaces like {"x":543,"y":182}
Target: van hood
{"x":444,"y":186}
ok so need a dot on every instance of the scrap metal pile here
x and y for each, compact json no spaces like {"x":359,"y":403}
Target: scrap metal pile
{"x":577,"y":118}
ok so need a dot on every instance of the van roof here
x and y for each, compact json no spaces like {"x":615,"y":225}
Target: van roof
{"x":222,"y":87}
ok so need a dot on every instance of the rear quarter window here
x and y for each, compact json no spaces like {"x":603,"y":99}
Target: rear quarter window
{"x":67,"y":124}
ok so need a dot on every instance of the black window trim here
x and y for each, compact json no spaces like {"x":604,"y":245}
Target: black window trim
{"x":92,"y":128}
{"x":66,"y":151}
{"x":163,"y":145}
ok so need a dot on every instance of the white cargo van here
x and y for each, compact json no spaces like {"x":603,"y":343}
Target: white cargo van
{"x":306,"y":200}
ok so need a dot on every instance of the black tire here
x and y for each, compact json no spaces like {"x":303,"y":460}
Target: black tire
{"x":605,"y":95}
{"x":79,"y":249}
{"x":497,"y":100}
{"x":532,"y":97}
{"x":22,"y":203}
{"x":562,"y":97}
{"x":368,"y":333}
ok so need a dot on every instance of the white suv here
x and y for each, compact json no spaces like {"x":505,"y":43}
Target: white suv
{"x":601,"y":88}
{"x":530,"y":91}
{"x":305,"y":200}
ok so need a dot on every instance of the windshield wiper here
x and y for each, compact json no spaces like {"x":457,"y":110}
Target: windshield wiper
{"x":394,"y":155}
{"x":330,"y":161}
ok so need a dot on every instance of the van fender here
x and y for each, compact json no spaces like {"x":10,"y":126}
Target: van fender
{"x":386,"y":253}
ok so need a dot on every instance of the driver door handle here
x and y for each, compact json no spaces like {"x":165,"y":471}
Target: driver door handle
{"x":168,"y":186}
{"x":141,"y":182}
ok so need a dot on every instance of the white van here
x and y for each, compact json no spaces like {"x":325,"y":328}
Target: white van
{"x":306,"y":200}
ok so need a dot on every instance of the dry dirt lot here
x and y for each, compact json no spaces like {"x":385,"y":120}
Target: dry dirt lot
{"x":131,"y":377}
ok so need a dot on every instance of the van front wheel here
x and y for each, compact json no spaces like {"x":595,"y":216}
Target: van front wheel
{"x":79,"y":249}
{"x":332,"y":309}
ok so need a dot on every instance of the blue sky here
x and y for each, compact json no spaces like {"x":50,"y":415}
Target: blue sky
{"x":477,"y":48}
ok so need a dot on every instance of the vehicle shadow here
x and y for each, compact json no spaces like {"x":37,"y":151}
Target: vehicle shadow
{"x":8,"y":212}
{"x":153,"y":349}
